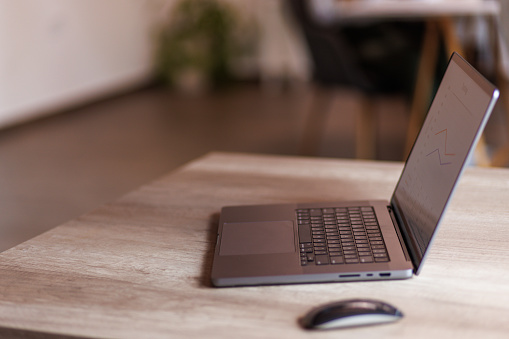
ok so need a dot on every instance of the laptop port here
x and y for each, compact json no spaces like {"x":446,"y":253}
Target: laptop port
{"x":385,"y":274}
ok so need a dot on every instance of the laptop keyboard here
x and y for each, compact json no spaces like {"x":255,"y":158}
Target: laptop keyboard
{"x":334,"y":236}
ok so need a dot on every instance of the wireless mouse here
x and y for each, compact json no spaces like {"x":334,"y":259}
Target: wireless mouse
{"x":349,"y":313}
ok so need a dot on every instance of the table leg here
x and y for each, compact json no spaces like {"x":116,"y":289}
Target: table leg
{"x":424,"y":83}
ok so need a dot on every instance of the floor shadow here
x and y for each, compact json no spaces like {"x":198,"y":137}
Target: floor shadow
{"x":27,"y":334}
{"x":209,"y":253}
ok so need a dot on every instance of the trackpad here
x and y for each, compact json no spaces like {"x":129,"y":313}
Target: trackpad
{"x":267,"y":237}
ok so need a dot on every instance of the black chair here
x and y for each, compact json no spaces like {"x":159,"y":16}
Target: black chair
{"x":372,"y":58}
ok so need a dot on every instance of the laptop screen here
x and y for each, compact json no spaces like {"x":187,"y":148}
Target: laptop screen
{"x":455,"y":121}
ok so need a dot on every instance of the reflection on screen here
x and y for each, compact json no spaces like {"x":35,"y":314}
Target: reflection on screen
{"x":441,"y":149}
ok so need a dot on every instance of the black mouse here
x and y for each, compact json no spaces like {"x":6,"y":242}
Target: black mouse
{"x":349,"y":313}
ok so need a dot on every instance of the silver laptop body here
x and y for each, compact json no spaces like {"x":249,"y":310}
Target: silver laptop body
{"x":325,"y":242}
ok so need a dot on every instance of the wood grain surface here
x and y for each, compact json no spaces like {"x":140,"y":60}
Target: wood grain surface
{"x":139,"y":267}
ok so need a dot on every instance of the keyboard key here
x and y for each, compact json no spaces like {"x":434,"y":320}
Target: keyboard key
{"x":336,"y":260}
{"x":322,"y":259}
{"x":315,"y":212}
{"x":352,"y":261}
{"x":365,"y":259}
{"x":304,"y":233}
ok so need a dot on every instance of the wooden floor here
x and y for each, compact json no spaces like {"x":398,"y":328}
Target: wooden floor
{"x":57,"y":168}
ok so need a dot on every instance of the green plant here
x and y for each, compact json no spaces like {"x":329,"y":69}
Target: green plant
{"x":199,"y":37}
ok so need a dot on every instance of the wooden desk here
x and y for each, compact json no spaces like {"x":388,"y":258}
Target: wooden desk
{"x":139,"y":267}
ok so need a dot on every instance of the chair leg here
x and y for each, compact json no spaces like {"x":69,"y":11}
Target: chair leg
{"x":366,"y":131}
{"x":501,"y":156}
{"x":423,"y":86}
{"x":315,"y":121}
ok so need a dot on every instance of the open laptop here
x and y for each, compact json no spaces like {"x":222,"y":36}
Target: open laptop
{"x":363,"y":240}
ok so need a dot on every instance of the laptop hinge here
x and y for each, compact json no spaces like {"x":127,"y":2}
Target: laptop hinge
{"x":402,"y":241}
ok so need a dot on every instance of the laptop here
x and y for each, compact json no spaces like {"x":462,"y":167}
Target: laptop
{"x":363,"y":240}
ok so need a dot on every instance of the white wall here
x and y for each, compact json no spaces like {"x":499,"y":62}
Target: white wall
{"x":58,"y":53}
{"x":55,"y":54}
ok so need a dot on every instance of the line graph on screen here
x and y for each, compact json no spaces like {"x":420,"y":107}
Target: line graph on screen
{"x":442,"y":155}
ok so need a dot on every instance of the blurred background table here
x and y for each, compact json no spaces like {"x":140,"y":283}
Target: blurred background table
{"x":368,"y":9}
